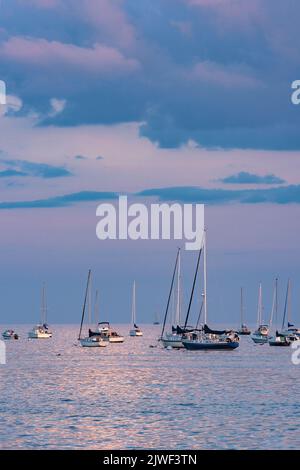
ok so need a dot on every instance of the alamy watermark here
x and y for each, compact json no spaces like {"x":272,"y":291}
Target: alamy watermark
{"x":296,"y":354}
{"x":164,"y":221}
{"x":295,"y":97}
{"x":2,"y":352}
{"x":2,"y":92}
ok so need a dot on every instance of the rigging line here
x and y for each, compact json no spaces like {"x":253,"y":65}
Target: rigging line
{"x":170,"y":293}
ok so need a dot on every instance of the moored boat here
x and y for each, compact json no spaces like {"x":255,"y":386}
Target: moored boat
{"x":10,"y":334}
{"x":244,"y":330}
{"x":135,"y":330}
{"x":41,"y":331}
{"x":261,"y":334}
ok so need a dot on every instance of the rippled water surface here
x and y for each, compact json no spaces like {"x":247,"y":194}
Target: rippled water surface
{"x":55,"y":394}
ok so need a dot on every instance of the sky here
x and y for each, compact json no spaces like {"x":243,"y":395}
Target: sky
{"x":163,"y":100}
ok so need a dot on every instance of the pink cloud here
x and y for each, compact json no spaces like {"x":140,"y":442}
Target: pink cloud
{"x":98,"y":59}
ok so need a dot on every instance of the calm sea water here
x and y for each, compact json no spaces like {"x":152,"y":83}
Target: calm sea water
{"x":55,"y":394}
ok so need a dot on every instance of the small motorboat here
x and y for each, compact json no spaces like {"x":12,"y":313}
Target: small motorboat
{"x":279,"y":340}
{"x":40,"y":332}
{"x":105,"y":331}
{"x":10,"y":334}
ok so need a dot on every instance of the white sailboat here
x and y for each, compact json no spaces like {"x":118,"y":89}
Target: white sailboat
{"x":290,"y":330}
{"x":135,"y":330}
{"x":41,"y":331}
{"x":91,"y":341}
{"x":261,"y":334}
{"x":244,"y":330}
{"x":172,"y":338}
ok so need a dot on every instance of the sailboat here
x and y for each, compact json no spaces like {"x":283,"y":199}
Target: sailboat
{"x":173,"y":338}
{"x":41,"y":331}
{"x":205,"y":338}
{"x":286,"y":335}
{"x":261,"y":334}
{"x":290,"y":330}
{"x":90,"y":341}
{"x":244,"y":330}
{"x":135,"y":330}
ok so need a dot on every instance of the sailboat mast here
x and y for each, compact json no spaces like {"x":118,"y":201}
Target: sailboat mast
{"x":205,"y":278}
{"x":133,"y":304}
{"x":178,"y":306}
{"x":259,"y":306}
{"x":96,"y":307}
{"x":289,"y":303}
{"x":285,"y":304}
{"x":90,"y":301}
{"x":43,"y":305}
{"x":274,"y":301}
{"x":242,"y":307}
{"x":170,"y":293}
{"x":84,"y":303}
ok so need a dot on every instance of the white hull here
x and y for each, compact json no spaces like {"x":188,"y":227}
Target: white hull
{"x":93,"y":343}
{"x":116,"y":339}
{"x":135,"y":333}
{"x":175,"y":342}
{"x":39,"y":335}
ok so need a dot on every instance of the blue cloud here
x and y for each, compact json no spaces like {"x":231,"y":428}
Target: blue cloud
{"x":11,"y":173}
{"x":250,"y":178}
{"x":192,"y":194}
{"x":238,"y":98}
{"x":60,"y":201}
{"x":39,"y":170}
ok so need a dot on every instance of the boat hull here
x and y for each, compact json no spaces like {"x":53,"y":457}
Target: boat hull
{"x":244,"y":333}
{"x":116,"y":339}
{"x":33,"y":335}
{"x":221,"y":345}
{"x":135,"y":333}
{"x":92,"y":343}
{"x":279,"y":343}
{"x":260,"y":339}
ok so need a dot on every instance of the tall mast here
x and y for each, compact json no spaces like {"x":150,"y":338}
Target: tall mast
{"x":84,"y":303}
{"x":205,"y":278}
{"x":259,"y":306}
{"x":285,"y":304}
{"x":242,"y":307}
{"x":96,"y":307}
{"x":44,"y":305}
{"x":178,"y":306}
{"x":133,"y":304}
{"x":274,"y":302}
{"x":90,"y":301}
{"x":289,"y":303}
{"x":169,"y":297}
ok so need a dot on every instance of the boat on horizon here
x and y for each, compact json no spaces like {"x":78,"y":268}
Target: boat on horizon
{"x":41,"y":331}
{"x":244,"y":330}
{"x":135,"y":330}
{"x":156,"y":319}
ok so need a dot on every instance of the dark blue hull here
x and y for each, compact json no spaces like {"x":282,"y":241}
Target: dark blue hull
{"x":195,"y":345}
